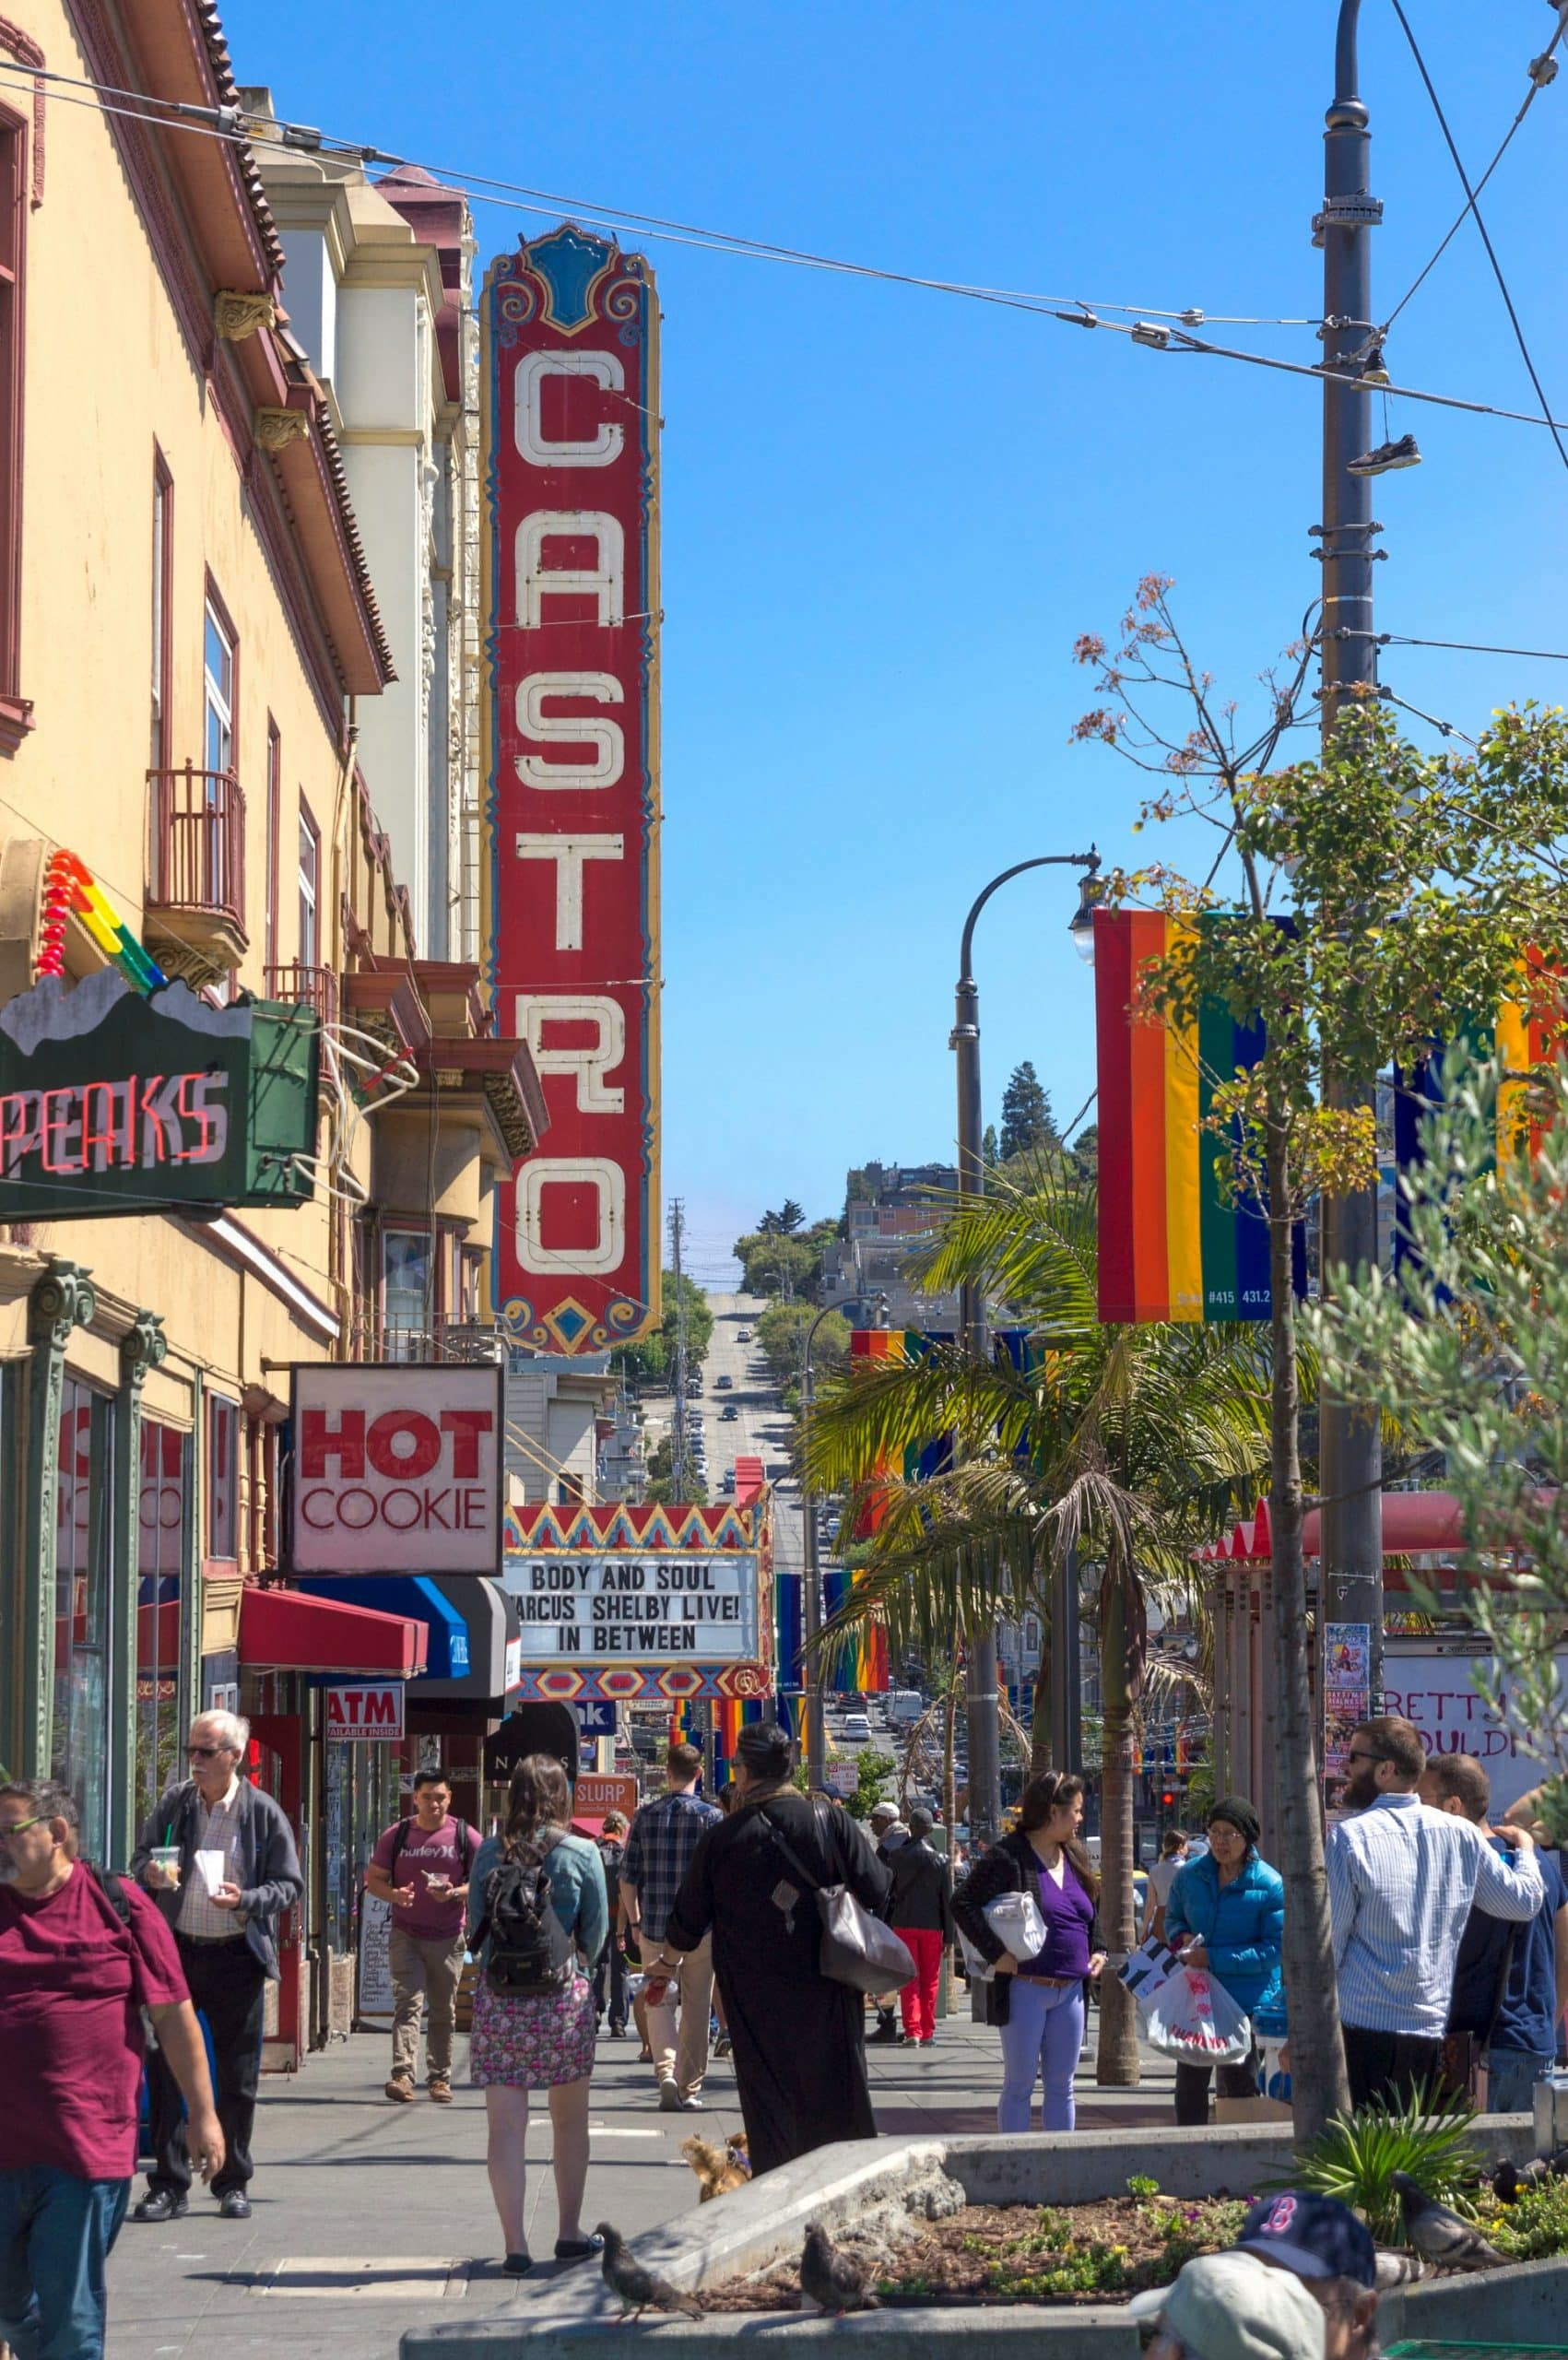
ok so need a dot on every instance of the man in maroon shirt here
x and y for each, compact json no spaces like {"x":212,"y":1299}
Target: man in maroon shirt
{"x":421,"y":1869}
{"x":81,"y":1955}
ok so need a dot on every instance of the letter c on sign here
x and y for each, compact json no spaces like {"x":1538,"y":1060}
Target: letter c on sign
{"x":600,"y":449}
{"x":609,"y":1184}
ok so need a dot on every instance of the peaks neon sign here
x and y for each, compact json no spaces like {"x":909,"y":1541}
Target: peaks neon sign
{"x":135,"y":1125}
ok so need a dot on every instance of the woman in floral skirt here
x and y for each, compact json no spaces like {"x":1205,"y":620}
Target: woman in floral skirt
{"x":523,"y":2044}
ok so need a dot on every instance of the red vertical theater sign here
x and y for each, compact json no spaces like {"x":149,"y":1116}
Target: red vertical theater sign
{"x":571,"y":327}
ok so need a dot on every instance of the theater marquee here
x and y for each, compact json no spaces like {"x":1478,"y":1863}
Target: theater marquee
{"x":571,"y":377}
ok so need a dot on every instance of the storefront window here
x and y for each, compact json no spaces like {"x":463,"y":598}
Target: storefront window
{"x":162,"y":1509}
{"x":84,"y":1589}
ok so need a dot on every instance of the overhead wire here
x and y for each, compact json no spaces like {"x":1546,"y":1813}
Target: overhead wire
{"x":1539,"y":80}
{"x":1473,"y":208}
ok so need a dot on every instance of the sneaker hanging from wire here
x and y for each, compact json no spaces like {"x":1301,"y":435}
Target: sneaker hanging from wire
{"x":1386,"y":457}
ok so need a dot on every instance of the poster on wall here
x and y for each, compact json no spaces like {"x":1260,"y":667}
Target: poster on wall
{"x":376,"y":1997}
{"x":1439,"y":1694}
{"x":571,"y":616}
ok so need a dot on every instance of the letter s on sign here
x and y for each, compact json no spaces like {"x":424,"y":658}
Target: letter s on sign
{"x":568,"y":729}
{"x":603,"y":447}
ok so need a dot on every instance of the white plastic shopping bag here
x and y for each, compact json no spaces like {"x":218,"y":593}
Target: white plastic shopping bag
{"x":1195,"y":2019}
{"x":1149,"y":1967}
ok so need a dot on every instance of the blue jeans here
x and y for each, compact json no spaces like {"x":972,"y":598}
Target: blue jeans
{"x":55,"y":2233}
{"x":1512,"y":2075}
{"x":1040,"y":2041}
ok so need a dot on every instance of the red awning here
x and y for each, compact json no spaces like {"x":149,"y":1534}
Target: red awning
{"x":1415,"y":1524}
{"x":282,"y":1629}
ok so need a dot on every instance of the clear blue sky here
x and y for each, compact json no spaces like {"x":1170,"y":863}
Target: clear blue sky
{"x":887,"y":513}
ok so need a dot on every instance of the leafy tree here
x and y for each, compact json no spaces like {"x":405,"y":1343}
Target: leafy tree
{"x":1085,"y":1151}
{"x":655,"y":1356}
{"x":1128,"y":1446}
{"x":873,"y":1770}
{"x":773,"y":1264}
{"x":990,"y":1153}
{"x":780,"y":1332}
{"x":667,"y":1482}
{"x":786,"y":1222}
{"x":1471,"y":1347}
{"x":1026,"y":1122}
{"x":1412,"y":882}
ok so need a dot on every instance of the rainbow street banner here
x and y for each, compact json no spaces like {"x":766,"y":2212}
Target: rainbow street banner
{"x":1172,"y":1245}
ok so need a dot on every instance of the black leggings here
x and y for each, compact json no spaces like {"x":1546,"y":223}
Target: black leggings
{"x":1192,"y":2087}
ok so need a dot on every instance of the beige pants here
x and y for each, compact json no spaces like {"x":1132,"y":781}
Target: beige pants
{"x":683,"y":2059}
{"x":421,"y":1968}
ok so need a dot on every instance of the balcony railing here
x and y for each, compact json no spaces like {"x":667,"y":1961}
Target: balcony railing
{"x":198,"y":843}
{"x":315,"y":987}
{"x":467,"y":1341}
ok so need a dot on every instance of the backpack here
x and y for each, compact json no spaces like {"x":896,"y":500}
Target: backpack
{"x":530,"y":1954}
{"x":467,"y":1846}
{"x":112,"y":1889}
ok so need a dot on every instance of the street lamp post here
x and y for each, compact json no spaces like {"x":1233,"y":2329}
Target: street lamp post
{"x":985,"y":1726}
{"x":811,"y":1575}
{"x":1350,"y":1455}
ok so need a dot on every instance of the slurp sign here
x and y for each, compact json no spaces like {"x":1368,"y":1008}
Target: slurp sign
{"x":571,"y":390}
{"x":396,"y":1469}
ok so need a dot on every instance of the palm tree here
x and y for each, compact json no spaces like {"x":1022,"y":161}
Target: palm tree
{"x":1126,"y":1445}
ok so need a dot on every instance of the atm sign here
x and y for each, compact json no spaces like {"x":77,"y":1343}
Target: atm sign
{"x":371,"y":1709}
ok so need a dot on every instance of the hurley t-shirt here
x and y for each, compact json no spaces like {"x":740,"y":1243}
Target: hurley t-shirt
{"x":73,"y":1982}
{"x":429,"y":1917}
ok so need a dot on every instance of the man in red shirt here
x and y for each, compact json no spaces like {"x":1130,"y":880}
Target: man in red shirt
{"x":421,"y":1869}
{"x":81,"y":1955}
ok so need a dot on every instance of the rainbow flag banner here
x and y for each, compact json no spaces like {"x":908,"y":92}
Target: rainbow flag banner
{"x":1171,"y":1246}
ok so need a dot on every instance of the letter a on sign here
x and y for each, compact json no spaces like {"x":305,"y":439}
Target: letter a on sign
{"x":571,"y":404}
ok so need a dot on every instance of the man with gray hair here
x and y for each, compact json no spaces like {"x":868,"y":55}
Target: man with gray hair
{"x":218,"y":1855}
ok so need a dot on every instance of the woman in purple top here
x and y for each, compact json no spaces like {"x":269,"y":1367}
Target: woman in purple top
{"x":1041,"y":2006}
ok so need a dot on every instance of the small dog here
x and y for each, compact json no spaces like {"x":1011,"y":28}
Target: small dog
{"x":718,"y":2169}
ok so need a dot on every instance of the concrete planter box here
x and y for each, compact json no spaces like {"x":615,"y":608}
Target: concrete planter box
{"x":576,"y":2317}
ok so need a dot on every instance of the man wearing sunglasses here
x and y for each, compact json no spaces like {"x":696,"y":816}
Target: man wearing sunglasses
{"x":81,"y":1955}
{"x":218,"y":1856}
{"x":1402,"y":1878}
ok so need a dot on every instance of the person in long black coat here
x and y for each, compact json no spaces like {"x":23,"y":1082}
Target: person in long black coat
{"x":799,"y":2046}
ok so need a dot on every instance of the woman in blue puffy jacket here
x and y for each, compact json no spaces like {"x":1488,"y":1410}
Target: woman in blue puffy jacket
{"x":1227,"y":1913}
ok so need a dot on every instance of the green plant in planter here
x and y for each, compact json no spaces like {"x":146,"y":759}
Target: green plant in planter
{"x":1534,"y":2227}
{"x":1356,"y":2158}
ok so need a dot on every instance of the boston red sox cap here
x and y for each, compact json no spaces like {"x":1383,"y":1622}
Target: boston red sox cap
{"x":1315,"y":2236}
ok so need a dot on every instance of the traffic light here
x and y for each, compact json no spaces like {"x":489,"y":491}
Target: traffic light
{"x":1168,"y":1800}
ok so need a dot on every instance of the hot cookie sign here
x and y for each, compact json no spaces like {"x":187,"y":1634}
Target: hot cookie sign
{"x":571,"y":387}
{"x":396,"y":1469}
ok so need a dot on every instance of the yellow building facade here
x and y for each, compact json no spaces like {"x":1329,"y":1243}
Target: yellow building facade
{"x":188,"y":629}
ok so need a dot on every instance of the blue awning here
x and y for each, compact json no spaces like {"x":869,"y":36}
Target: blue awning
{"x":409,"y":1594}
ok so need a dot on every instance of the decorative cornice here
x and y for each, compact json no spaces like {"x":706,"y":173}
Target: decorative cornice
{"x":275,"y":429}
{"x":62,"y":1299}
{"x":236,"y":317}
{"x":144,"y":1346}
{"x":27,"y":52}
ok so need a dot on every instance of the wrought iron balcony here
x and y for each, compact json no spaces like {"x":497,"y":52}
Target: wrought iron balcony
{"x":470,"y":1341}
{"x":315,"y":987}
{"x":195,"y":901}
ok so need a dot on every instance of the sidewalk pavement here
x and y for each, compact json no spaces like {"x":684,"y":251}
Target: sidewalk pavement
{"x":370,"y":2218}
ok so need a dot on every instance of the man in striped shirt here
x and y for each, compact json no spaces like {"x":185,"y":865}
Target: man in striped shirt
{"x":1402,"y":1878}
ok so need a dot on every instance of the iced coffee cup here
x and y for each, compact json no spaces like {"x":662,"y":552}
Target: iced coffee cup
{"x":167,"y":1857}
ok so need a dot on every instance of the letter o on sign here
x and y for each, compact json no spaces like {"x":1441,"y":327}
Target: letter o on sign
{"x":424,"y":1445}
{"x":361,"y":1519}
{"x":609,"y":1184}
{"x":409,"y":1509}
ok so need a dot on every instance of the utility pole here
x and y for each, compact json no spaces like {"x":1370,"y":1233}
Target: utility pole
{"x":1351,"y":1448}
{"x":984,"y":1722}
{"x":678,"y":1458}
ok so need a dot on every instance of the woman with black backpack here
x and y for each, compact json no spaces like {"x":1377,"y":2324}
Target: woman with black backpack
{"x":537,"y":1913}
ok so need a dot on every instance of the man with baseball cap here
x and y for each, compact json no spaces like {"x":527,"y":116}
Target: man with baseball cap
{"x":1321,"y":2242}
{"x":890,"y":1835}
{"x":1232,"y":2307}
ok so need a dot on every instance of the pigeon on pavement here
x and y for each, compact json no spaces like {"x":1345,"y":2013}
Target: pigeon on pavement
{"x":636,"y":2288}
{"x":834,"y":2279}
{"x":1439,"y":2234}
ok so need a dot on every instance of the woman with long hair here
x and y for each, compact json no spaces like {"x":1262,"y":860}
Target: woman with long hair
{"x":521,"y":2042}
{"x":1039,"y":2000}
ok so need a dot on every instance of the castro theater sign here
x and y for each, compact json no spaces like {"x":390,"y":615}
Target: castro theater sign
{"x":396,"y":1469}
{"x":621,"y":1601}
{"x":570,"y":378}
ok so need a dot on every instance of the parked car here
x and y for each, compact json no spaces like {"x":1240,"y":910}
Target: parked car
{"x":724,"y":1383}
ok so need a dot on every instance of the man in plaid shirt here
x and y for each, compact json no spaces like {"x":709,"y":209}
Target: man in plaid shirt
{"x":665,"y":1834}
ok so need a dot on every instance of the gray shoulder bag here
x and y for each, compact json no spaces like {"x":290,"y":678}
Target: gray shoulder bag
{"x":856,"y":1948}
